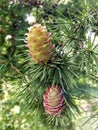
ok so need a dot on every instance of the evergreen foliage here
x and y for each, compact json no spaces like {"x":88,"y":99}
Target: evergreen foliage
{"x":73,"y":28}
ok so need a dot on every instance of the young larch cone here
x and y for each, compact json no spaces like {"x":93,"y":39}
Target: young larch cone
{"x":53,"y":101}
{"x":39,"y":43}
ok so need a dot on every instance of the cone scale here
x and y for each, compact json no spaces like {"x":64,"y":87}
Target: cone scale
{"x":53,"y":101}
{"x":39,"y":43}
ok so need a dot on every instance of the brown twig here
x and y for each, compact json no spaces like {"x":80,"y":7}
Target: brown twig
{"x":15,"y":68}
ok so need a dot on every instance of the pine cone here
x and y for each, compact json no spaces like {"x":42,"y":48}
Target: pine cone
{"x":39,"y":43}
{"x":54,"y":101}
